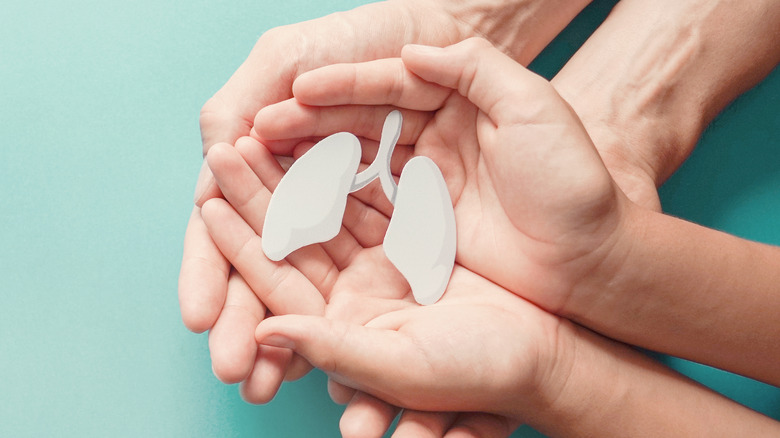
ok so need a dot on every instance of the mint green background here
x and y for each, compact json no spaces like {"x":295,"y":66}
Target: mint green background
{"x":100,"y":147}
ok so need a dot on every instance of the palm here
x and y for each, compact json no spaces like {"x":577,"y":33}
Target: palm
{"x":516,"y":228}
{"x":211,"y":298}
{"x":428,"y":348}
{"x":534,"y":205}
{"x":346,"y":278}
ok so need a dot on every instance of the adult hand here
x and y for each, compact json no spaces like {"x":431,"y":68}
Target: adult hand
{"x":536,"y":210}
{"x":373,"y":31}
{"x":206,"y":281}
{"x":520,"y":162}
{"x":651,"y":78}
{"x":451,"y":138}
{"x":579,"y":248}
{"x":211,"y":294}
{"x":266,"y":77}
{"x":347,"y":279}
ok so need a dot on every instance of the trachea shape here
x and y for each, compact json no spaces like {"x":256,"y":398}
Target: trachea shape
{"x":308,"y":205}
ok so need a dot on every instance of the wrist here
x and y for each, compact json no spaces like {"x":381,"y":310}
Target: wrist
{"x":654,"y":74}
{"x":604,"y":388}
{"x":582,"y":371}
{"x":519,"y":28}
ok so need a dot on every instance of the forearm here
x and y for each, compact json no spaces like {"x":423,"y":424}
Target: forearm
{"x":611,"y":390}
{"x":689,"y":291}
{"x":651,"y":78}
{"x":519,"y":28}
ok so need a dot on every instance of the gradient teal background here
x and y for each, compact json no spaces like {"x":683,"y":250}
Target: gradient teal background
{"x":100,"y":147}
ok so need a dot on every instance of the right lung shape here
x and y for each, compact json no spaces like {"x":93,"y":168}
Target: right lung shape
{"x":421,"y":238}
{"x":308,"y":204}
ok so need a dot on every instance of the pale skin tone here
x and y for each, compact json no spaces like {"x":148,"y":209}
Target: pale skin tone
{"x":201,"y":282}
{"x":591,"y":255}
{"x":212,"y":296}
{"x":651,"y":78}
{"x":541,"y":366}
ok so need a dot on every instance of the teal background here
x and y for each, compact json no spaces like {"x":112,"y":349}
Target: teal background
{"x":100,"y":146}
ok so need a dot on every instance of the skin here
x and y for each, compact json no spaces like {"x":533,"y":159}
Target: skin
{"x":363,"y":283}
{"x":541,"y":366}
{"x":212,"y":296}
{"x":561,"y":233}
{"x":613,"y":123}
{"x":651,"y":78}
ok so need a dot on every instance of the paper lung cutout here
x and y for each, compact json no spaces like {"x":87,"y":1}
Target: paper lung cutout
{"x":308,"y":204}
{"x":420,"y":239}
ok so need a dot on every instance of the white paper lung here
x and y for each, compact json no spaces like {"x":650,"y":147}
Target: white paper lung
{"x":421,"y":238}
{"x":308,"y":204}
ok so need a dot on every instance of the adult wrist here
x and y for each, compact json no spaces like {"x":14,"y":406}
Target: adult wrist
{"x":519,"y":28}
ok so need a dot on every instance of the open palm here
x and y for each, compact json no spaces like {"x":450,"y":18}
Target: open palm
{"x":348,"y":279}
{"x":331,"y":277}
{"x":479,"y":348}
{"x":536,"y":210}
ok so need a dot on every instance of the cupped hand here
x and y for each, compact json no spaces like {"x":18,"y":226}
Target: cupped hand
{"x":373,"y":31}
{"x":266,"y":77}
{"x":536,"y":210}
{"x":346,"y":279}
{"x":480,"y":349}
{"x":212,"y":295}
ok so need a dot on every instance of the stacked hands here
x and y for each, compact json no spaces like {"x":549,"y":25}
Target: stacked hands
{"x":561,"y":258}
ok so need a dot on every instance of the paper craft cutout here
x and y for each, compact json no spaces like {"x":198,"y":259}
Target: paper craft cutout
{"x":308,"y":205}
{"x":420,"y":240}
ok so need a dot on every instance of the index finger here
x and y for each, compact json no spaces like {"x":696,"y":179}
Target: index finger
{"x":380,"y":82}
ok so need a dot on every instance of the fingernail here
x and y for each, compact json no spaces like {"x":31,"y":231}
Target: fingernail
{"x":277,"y":340}
{"x":203,"y":179}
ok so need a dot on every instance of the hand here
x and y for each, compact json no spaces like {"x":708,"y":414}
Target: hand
{"x":536,"y":210}
{"x":573,"y":243}
{"x":350,"y":273}
{"x":293,"y":118}
{"x":206,"y":280}
{"x":368,"y":32}
{"x":410,"y":352}
{"x":480,"y":348}
{"x":265,"y":78}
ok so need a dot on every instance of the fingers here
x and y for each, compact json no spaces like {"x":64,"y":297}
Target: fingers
{"x":366,"y":417}
{"x":206,"y":187}
{"x":419,"y":424}
{"x":203,"y":277}
{"x":250,"y":198}
{"x":380,"y":82}
{"x":223,"y":120}
{"x":339,"y":393}
{"x":239,"y":184}
{"x":291,"y":119}
{"x":280,"y":286}
{"x":481,"y":73}
{"x":231,"y":340}
{"x":481,"y":425}
{"x":363,"y":358}
{"x":267,"y":374}
{"x":297,"y":368}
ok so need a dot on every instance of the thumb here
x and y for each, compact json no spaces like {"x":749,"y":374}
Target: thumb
{"x":372,"y":360}
{"x":481,"y":73}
